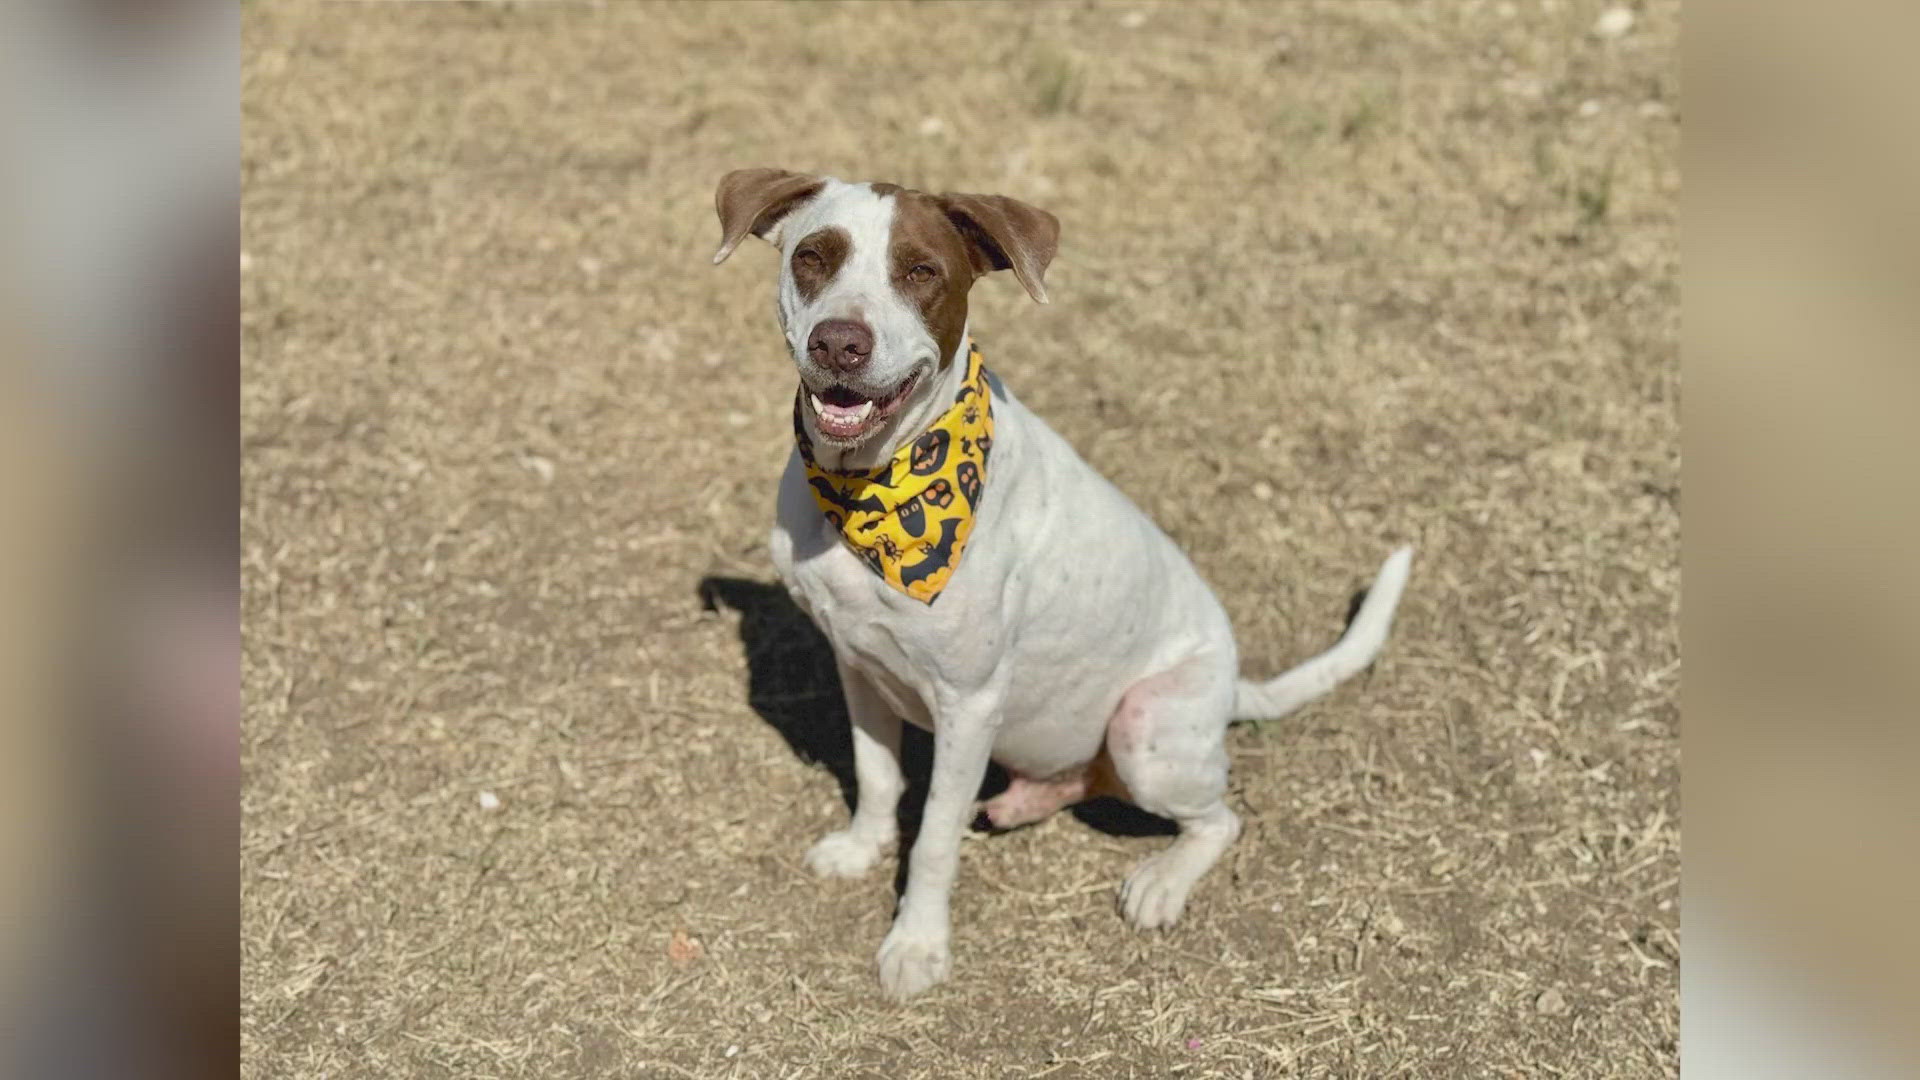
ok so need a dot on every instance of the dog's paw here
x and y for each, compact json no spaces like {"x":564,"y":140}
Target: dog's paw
{"x":1155,"y":894}
{"x":844,"y":854}
{"x":912,"y":961}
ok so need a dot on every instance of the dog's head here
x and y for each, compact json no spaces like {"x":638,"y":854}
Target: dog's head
{"x":873,"y":289}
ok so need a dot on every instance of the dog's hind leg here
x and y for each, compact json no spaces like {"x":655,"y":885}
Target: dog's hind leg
{"x":1167,"y":741}
{"x":1028,"y":800}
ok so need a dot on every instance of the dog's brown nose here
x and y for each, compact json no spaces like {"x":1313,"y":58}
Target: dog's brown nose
{"x":841,"y":344}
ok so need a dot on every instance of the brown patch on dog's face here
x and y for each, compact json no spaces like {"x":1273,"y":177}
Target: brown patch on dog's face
{"x":819,"y":256}
{"x":931,"y":267}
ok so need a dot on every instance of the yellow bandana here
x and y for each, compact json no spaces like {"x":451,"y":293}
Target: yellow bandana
{"x":909,"y":519}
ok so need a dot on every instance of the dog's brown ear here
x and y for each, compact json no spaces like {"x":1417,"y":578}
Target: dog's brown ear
{"x":754,"y":201}
{"x":1003,"y":234}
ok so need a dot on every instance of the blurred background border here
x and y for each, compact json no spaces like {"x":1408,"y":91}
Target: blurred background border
{"x":118,"y":770}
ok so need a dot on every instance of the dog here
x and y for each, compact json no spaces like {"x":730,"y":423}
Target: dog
{"x":974,"y":575}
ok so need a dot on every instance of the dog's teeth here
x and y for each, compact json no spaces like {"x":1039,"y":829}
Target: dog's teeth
{"x":840,"y":413}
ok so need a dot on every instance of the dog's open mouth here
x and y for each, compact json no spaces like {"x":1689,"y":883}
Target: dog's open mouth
{"x":844,"y":413}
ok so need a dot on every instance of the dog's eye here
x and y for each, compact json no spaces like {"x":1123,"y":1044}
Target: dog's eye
{"x":808,"y":258}
{"x":921,"y":274}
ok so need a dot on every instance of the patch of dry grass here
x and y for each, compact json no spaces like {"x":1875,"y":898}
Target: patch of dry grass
{"x":1416,"y":288}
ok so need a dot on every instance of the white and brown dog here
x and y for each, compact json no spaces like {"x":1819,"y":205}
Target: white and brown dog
{"x":1071,"y":640}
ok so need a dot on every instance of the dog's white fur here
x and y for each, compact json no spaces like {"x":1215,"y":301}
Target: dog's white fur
{"x":863,"y":291}
{"x":1071,"y":623}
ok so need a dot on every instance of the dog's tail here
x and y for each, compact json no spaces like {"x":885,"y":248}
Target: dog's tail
{"x":1367,"y":631}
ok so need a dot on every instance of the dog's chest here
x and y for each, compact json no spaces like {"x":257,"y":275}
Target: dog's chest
{"x":859,"y":613}
{"x":907,"y":648}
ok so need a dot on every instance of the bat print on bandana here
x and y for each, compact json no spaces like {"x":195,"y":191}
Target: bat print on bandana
{"x":829,"y":495}
{"x":939,"y":560}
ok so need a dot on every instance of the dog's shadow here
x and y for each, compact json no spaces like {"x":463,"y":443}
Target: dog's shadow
{"x":792,"y":682}
{"x":793,"y":685}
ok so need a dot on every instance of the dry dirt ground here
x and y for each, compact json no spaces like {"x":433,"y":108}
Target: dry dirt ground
{"x":533,"y":748}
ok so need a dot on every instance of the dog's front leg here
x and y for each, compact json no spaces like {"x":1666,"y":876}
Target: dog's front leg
{"x":915,"y":954}
{"x":852,"y":851}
